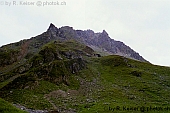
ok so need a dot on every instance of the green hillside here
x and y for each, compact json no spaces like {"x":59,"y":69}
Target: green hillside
{"x":6,"y":107}
{"x":70,"y":77}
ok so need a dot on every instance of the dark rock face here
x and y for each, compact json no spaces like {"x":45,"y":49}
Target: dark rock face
{"x":103,"y":41}
{"x":52,"y":30}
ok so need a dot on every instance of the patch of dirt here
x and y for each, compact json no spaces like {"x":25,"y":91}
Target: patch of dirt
{"x":72,"y":92}
{"x":61,"y":93}
{"x":56,"y":94}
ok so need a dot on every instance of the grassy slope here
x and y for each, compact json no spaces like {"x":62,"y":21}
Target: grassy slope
{"x":6,"y":107}
{"x":139,"y":84}
{"x":109,"y":81}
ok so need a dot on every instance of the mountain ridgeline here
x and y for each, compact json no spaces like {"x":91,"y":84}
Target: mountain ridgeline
{"x":100,"y":42}
{"x":72,"y":71}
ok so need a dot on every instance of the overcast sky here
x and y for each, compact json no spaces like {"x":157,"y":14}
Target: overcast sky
{"x":144,"y":25}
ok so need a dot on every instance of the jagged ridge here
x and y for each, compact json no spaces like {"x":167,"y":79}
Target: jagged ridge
{"x":100,"y":42}
{"x":96,"y":40}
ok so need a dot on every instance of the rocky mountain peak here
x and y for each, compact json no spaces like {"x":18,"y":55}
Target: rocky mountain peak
{"x":104,"y":36}
{"x":105,"y":33}
{"x":52,"y":27}
{"x":99,"y":42}
{"x":53,"y":31}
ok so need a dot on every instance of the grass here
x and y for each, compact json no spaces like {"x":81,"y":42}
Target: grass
{"x":6,"y":107}
{"x":122,"y":89}
{"x":34,"y":97}
{"x":107,"y":84}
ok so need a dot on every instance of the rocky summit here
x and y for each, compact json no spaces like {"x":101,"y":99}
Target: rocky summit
{"x":72,"y":71}
{"x":100,"y":42}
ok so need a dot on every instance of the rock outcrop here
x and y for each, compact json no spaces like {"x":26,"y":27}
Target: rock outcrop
{"x":106,"y":44}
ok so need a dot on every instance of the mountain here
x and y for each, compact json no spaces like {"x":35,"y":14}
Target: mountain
{"x":100,"y":42}
{"x":69,"y":71}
